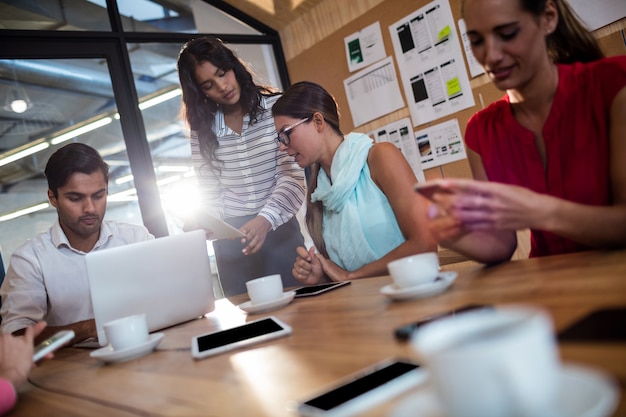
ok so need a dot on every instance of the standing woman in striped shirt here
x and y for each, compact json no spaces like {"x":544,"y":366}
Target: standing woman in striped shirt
{"x":242,"y":176}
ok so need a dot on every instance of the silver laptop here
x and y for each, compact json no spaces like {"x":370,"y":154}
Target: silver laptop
{"x":168,"y":279}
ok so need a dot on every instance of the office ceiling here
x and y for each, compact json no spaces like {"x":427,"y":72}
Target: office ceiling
{"x":276,"y":14}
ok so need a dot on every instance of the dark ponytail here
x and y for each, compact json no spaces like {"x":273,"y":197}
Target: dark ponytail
{"x":571,"y":41}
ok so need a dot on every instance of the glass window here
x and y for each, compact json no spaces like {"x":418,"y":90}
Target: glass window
{"x":136,"y":16}
{"x":69,"y":15}
{"x":47,"y":104}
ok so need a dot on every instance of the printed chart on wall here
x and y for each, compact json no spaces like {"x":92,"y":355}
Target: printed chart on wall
{"x":373,"y":92}
{"x":401,"y":134}
{"x":428,"y":53}
{"x":440,"y":144}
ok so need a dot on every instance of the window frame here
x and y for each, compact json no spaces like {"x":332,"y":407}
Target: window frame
{"x":112,"y":46}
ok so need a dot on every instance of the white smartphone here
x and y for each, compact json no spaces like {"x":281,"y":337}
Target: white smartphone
{"x":319,"y":289}
{"x":52,"y":343}
{"x":246,"y":334}
{"x":364,"y":389}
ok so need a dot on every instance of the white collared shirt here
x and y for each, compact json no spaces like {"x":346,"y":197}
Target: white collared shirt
{"x":47,"y":278}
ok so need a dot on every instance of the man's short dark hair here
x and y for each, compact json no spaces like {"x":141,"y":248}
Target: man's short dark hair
{"x":75,"y":157}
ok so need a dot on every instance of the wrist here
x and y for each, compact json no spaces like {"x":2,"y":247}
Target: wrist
{"x":12,"y":376}
{"x":267,"y":223}
{"x":549,"y":214}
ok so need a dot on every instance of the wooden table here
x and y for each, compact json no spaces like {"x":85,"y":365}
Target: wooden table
{"x":334,"y":334}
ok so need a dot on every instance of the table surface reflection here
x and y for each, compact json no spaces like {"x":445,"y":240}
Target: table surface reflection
{"x":334,"y":334}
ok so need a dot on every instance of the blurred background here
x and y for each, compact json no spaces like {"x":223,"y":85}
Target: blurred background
{"x":104,"y":73}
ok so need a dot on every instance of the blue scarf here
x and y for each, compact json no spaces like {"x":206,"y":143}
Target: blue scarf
{"x":359,"y":225}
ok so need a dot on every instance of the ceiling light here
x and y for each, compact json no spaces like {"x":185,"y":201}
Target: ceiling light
{"x":125,"y":178}
{"x":24,"y":211}
{"x":160,"y":99}
{"x":19,"y":106}
{"x":126,"y":195}
{"x":23,"y":151}
{"x":81,"y":130}
{"x":172,"y":168}
{"x":168,"y":180}
{"x":16,"y":99}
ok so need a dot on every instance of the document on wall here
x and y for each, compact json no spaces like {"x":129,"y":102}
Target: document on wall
{"x":440,"y":144}
{"x":475,"y":68}
{"x":365,"y":47}
{"x":428,"y":52}
{"x":373,"y":92}
{"x":400,"y":133}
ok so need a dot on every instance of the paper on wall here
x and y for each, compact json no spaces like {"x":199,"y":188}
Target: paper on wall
{"x":440,"y":144}
{"x":365,"y":47}
{"x":429,"y":57}
{"x":400,"y":134}
{"x":373,"y":92}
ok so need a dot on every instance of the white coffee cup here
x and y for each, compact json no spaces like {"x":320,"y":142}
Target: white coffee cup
{"x":414,"y":270}
{"x":492,"y":363}
{"x":127,"y":332}
{"x":265,"y":289}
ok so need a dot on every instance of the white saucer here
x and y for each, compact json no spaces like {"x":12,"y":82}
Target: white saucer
{"x":444,"y":280}
{"x":248,"y":307}
{"x":107,"y":354}
{"x":584,"y":392}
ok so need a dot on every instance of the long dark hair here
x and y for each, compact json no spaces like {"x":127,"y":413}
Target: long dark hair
{"x":300,"y":101}
{"x":197,"y":110}
{"x":571,"y":41}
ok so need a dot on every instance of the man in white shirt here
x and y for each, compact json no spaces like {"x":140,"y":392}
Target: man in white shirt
{"x":47,"y":277}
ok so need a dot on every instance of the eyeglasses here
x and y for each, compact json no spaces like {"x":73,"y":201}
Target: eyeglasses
{"x":283,"y":134}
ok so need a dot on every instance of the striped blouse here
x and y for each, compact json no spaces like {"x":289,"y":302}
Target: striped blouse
{"x":255,"y":178}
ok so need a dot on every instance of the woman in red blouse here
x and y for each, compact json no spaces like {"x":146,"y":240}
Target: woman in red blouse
{"x":551,"y":154}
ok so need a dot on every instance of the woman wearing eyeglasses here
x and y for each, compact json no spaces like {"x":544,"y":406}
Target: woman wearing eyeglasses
{"x":242,"y":176}
{"x":362,"y":211}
